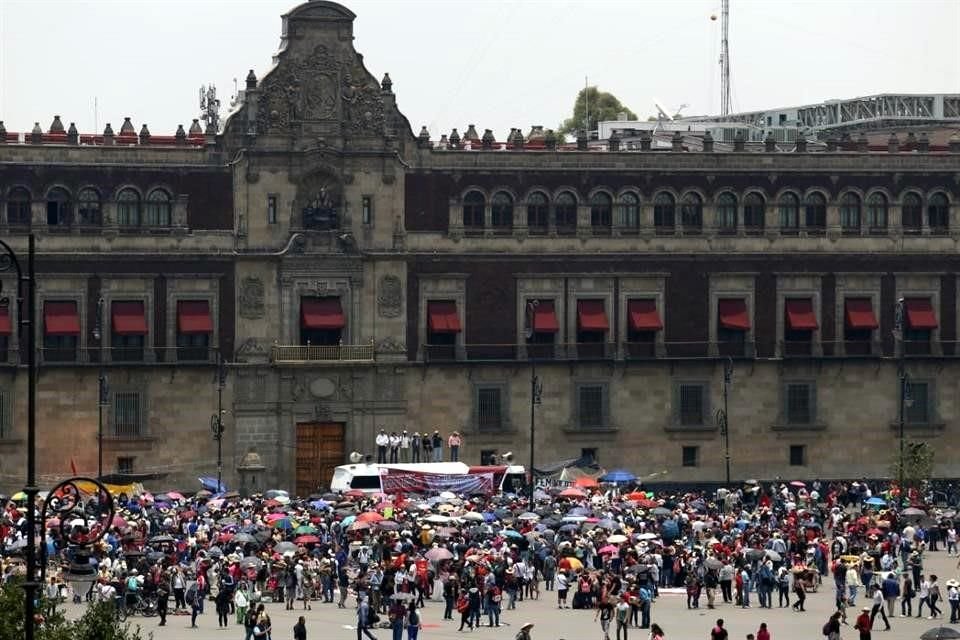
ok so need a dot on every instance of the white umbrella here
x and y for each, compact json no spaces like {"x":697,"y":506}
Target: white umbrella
{"x":646,"y":536}
{"x":447,"y":495}
{"x":616,"y":538}
{"x":472,"y":515}
{"x":437,"y":519}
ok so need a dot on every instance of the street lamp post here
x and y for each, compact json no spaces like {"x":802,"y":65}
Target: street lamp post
{"x":27,"y":326}
{"x":216,"y":421}
{"x":102,"y":389}
{"x":536,"y":392}
{"x":904,"y":378}
{"x":722,"y":415}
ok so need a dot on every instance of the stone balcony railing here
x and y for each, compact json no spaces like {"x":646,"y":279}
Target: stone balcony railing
{"x":308,"y":353}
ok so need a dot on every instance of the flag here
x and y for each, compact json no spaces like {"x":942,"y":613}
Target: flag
{"x":73,"y":466}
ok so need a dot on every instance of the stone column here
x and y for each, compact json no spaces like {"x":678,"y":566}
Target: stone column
{"x":456,"y":218}
{"x":584,"y":229}
{"x":646,"y":219}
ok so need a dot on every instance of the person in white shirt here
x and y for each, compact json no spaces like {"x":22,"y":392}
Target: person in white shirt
{"x":563,"y":584}
{"x":404,"y":447}
{"x":383,"y":441}
{"x":394,"y":447}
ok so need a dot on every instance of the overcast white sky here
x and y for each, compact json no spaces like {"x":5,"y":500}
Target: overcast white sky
{"x":498,"y":64}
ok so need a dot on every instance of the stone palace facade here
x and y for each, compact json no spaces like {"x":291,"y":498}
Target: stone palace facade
{"x":351,"y":274}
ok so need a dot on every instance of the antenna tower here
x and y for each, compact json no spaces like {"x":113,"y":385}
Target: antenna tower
{"x":725,"y":58}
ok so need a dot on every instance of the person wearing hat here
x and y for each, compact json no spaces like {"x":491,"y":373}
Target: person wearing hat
{"x":437,"y":442}
{"x":877,"y":608}
{"x":524,"y":633}
{"x":394,"y":447}
{"x":415,"y":444}
{"x":864,"y":623}
{"x":404,"y":446}
{"x":953,"y":597}
{"x":454,"y":442}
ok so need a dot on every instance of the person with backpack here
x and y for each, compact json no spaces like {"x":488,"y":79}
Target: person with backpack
{"x":831,"y":628}
{"x":718,"y":632}
{"x":250,"y":621}
{"x":194,"y":600}
{"x":463,"y":608}
{"x":413,"y":622}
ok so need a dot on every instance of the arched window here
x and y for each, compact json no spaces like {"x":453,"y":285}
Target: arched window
{"x":938,"y":213}
{"x":538,"y":210}
{"x":754,"y":209}
{"x":565,"y":213}
{"x":19,"y":207}
{"x":158,"y":209}
{"x":59,"y":208}
{"x":128,"y":208}
{"x":727,"y":213}
{"x":789,"y":213}
{"x":628,"y":212}
{"x":850,"y":213}
{"x":815,"y":212}
{"x":664,"y":212}
{"x":601,"y":211}
{"x":502,"y":210}
{"x":877,"y":212}
{"x":88,"y":207}
{"x":474,"y":204}
{"x":691,"y":212}
{"x":912,"y":213}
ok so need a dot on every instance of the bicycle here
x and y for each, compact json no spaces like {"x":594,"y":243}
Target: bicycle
{"x":145,"y":606}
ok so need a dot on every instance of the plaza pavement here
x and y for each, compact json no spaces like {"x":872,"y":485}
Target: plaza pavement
{"x":326,"y":622}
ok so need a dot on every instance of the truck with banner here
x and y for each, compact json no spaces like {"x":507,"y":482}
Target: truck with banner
{"x":428,"y":478}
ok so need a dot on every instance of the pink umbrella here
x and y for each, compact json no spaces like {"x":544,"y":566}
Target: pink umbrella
{"x":118,"y":522}
{"x":609,"y":549}
{"x":275,"y":516}
{"x":53,"y":522}
{"x":174,"y":495}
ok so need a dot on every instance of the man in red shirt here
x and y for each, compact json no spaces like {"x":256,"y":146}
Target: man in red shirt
{"x":718,"y":632}
{"x":864,"y":624}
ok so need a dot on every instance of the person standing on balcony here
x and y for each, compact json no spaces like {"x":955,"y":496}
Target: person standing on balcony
{"x":383,"y":441}
{"x":415,"y":446}
{"x":427,"y":447}
{"x":454,"y":442}
{"x":394,"y":446}
{"x":404,"y":446}
{"x":437,"y":447}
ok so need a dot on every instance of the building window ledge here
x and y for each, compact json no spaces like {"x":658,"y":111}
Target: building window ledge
{"x":782,"y":426}
{"x":590,"y":431}
{"x":693,"y":428}
{"x":919,"y":426}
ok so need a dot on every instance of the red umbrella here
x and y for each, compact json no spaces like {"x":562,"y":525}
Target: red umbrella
{"x":306,"y":540}
{"x":874,"y":532}
{"x":369,"y":516}
{"x":355,"y":493}
{"x":226,"y":537}
{"x":119,"y":522}
{"x":572,"y":492}
{"x":798,"y":483}
{"x":647,"y":503}
{"x":585,"y":481}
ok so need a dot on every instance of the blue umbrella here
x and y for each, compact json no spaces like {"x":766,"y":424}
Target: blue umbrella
{"x":512,"y":533}
{"x":319,"y":504}
{"x":210,"y":484}
{"x":876,"y":501}
{"x":618,"y":475}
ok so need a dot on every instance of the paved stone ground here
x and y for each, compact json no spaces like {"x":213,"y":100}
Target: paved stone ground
{"x":326,"y":622}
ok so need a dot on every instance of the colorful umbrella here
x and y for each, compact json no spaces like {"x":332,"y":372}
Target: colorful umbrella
{"x":284,"y":523}
{"x":572,"y":492}
{"x":306,"y":540}
{"x":369,"y":516}
{"x":608,"y":550}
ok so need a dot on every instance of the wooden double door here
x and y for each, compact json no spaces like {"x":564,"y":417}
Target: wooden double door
{"x":320,"y":449}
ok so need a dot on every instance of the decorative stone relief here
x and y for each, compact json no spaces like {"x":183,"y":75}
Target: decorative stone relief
{"x":391,"y":345}
{"x":297,"y":389}
{"x":389,"y":297}
{"x":251,"y":303}
{"x":300,"y":89}
{"x":322,"y":388}
{"x":322,"y":412}
{"x":251,"y":348}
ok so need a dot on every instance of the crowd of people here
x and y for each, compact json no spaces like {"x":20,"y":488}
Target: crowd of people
{"x":610,"y":550}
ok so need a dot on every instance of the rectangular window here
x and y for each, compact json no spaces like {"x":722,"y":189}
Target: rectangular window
{"x":690,"y":456}
{"x":917,"y":404}
{"x":127,"y":414}
{"x":59,"y":348}
{"x":589,"y":454}
{"x":366,"y":209}
{"x":271,"y":209}
{"x":489,"y":408}
{"x":800,"y":403}
{"x":488,"y":457}
{"x":6,"y":415}
{"x":591,"y":406}
{"x":691,"y":400}
{"x":798,"y":455}
{"x":125,"y":465}
{"x":194,"y":328}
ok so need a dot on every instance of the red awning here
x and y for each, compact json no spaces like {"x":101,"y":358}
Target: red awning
{"x":6,"y":327}
{"x":643,"y":315}
{"x":733,"y":314}
{"x":545,"y":318}
{"x":591,"y":316}
{"x":859,"y":314}
{"x":321,"y":313}
{"x":442,"y":317}
{"x":61,"y":319}
{"x":193,"y":316}
{"x":920,"y":314}
{"x":128,"y":319}
{"x":800,"y":315}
